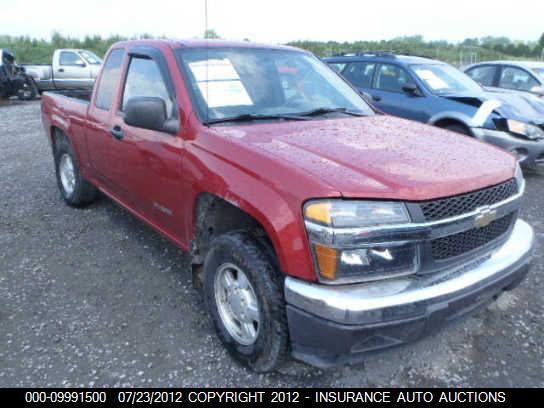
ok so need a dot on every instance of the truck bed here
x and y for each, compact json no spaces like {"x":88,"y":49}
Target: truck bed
{"x":83,"y":95}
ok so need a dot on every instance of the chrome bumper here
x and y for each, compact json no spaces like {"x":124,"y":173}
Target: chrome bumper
{"x":415,"y":296}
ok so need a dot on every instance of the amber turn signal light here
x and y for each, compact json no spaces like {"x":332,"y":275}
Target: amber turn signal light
{"x":327,"y":260}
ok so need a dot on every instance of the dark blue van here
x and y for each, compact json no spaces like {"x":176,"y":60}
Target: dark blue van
{"x":439,"y":94}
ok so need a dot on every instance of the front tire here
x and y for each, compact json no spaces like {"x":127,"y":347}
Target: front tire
{"x":75,"y":190}
{"x":243,"y":294}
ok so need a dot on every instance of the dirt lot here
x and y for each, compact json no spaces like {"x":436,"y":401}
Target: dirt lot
{"x":93,"y":297}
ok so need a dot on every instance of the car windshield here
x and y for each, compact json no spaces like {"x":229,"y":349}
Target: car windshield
{"x":444,"y":79}
{"x":91,"y":58}
{"x":251,"y":83}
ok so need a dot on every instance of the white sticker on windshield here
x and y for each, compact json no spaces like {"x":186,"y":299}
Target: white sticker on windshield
{"x":213,"y":70}
{"x":219,"y":83}
{"x":224,"y":93}
{"x":431,"y":79}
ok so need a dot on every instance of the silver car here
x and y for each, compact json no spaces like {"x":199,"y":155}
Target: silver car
{"x":524,"y":76}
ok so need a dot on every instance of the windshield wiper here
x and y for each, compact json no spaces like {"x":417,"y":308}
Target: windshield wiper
{"x":253,"y":116}
{"x":325,"y":110}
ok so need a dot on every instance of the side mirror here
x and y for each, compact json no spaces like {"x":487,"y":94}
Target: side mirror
{"x":412,"y":90}
{"x":539,"y":90}
{"x":80,"y":64}
{"x":149,"y":113}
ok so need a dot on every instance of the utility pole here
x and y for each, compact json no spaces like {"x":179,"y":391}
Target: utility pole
{"x":205,"y":17}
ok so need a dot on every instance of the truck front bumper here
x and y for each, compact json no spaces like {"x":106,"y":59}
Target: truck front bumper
{"x":331,"y":325}
{"x":530,"y":153}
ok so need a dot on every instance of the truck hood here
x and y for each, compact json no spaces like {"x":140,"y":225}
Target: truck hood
{"x":513,"y":105}
{"x":377,"y":156}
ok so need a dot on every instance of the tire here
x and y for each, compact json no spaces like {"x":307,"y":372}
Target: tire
{"x":29,"y":92}
{"x":458,"y":129}
{"x":269,"y":346}
{"x":74,"y":189}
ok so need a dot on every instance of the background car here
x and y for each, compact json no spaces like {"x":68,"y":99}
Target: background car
{"x":439,"y":94}
{"x":525,"y":76}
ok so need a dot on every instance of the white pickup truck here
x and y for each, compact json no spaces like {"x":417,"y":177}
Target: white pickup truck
{"x":71,"y":69}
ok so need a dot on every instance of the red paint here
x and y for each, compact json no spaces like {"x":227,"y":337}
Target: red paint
{"x":268,"y":170}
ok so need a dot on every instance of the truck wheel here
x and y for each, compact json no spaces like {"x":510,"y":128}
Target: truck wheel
{"x":243,"y":294}
{"x":75,"y":190}
{"x":28,"y":92}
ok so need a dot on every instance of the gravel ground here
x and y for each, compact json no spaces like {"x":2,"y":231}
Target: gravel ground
{"x":94,"y":297}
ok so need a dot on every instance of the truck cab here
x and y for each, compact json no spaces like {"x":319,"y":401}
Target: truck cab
{"x":75,"y":68}
{"x":70,"y":69}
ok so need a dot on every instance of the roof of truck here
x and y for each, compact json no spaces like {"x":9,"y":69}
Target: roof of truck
{"x":209,"y":43}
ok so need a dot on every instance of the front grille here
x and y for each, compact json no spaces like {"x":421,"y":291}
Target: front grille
{"x":461,"y":204}
{"x":457,"y":244}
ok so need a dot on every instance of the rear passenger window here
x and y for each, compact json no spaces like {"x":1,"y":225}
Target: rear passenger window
{"x":110,"y":78}
{"x":70,"y":58}
{"x":392,"y":78}
{"x":360,"y":73}
{"x":144,"y":79}
{"x":483,"y":75}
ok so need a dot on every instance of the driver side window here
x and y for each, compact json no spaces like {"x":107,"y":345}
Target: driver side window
{"x":515,"y":78}
{"x":392,"y":78}
{"x":145,"y":79}
{"x":70,"y":58}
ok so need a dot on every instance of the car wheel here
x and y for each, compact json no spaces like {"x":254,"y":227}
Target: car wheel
{"x":243,"y":294}
{"x":75,"y":190}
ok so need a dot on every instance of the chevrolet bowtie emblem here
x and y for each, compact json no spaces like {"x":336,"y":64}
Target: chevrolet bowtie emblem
{"x":485,"y":217}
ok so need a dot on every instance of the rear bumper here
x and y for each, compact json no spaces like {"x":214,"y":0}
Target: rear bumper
{"x":331,"y":325}
{"x":529,"y":152}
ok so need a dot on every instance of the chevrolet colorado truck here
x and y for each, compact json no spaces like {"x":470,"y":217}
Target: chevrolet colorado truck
{"x":70,"y":69}
{"x":317,"y":226}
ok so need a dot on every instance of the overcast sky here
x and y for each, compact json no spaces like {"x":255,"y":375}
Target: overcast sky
{"x":277,"y":21}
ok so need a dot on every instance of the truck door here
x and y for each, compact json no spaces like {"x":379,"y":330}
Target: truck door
{"x":149,"y":170}
{"x":100,"y":141}
{"x":71,"y":71}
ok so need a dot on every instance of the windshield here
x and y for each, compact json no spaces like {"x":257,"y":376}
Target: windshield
{"x":443,"y":79}
{"x":230,"y":82}
{"x":91,"y":58}
{"x":539,"y":71}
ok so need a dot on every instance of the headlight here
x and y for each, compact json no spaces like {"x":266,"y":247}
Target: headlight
{"x":529,"y":131}
{"x":347,"y":213}
{"x":347,"y":259}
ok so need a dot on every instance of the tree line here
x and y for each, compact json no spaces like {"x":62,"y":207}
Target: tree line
{"x":39,"y":51}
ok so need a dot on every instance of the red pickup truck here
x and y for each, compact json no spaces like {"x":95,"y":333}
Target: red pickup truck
{"x":317,"y":225}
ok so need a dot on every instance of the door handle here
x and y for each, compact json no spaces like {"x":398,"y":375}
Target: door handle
{"x":61,"y":69}
{"x":376,"y":98}
{"x":117,"y":132}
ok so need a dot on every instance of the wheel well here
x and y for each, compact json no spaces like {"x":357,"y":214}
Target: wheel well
{"x":215,"y":216}
{"x":56,"y":135}
{"x":443,"y":123}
